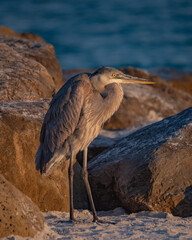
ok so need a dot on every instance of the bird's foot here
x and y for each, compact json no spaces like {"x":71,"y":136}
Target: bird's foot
{"x":73,"y":220}
{"x":97,"y":220}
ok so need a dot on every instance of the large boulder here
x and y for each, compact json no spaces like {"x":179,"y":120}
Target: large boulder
{"x":18,"y":214}
{"x":38,"y":50}
{"x":21,"y":78}
{"x":149,"y":169}
{"x":29,"y":76}
{"x":20,"y":124}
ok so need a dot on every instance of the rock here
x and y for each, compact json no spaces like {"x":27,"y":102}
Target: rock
{"x":135,"y":72}
{"x":183,"y":83}
{"x":20,"y":124}
{"x":39,"y":51}
{"x":8,"y":32}
{"x":18,"y":214}
{"x":149,"y":169}
{"x":176,"y":78}
{"x":22,"y":78}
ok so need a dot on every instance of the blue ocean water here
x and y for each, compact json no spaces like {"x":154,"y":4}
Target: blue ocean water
{"x":88,"y":33}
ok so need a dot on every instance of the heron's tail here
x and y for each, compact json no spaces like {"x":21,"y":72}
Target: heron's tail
{"x":57,"y":159}
{"x":47,"y":166}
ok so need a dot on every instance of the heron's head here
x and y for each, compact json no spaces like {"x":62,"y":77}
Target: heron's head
{"x":107,"y":75}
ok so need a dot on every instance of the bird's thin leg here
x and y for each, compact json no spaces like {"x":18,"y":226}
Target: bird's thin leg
{"x":85,"y":177}
{"x":70,"y":175}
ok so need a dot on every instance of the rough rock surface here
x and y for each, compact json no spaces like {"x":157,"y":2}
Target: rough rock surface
{"x":22,"y":78}
{"x":149,"y":169}
{"x":39,"y":51}
{"x":20,"y":124}
{"x":8,"y":32}
{"x":29,"y":76}
{"x":18,"y":214}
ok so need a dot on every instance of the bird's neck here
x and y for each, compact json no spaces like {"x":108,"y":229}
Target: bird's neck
{"x":113,"y":95}
{"x":98,"y":86}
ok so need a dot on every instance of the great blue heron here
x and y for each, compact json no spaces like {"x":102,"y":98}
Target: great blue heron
{"x":74,"y":119}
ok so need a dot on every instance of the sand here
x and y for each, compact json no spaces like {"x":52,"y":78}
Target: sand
{"x":143,"y":225}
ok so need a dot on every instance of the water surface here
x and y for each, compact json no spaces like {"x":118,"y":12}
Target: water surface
{"x":88,"y":33}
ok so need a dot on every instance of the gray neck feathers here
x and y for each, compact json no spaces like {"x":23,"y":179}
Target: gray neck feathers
{"x":113,"y":95}
{"x":103,"y":104}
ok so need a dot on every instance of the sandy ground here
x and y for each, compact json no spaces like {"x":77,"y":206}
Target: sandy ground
{"x":143,"y":225}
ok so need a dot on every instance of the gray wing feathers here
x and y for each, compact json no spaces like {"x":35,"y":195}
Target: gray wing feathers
{"x":63,"y":125}
{"x":60,"y":121}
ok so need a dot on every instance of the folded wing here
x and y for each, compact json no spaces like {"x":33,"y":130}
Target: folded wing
{"x":60,"y":122}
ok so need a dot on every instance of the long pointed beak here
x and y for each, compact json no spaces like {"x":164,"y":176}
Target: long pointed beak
{"x":125,"y":78}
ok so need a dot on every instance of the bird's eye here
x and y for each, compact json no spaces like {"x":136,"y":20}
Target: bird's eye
{"x":114,"y":75}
